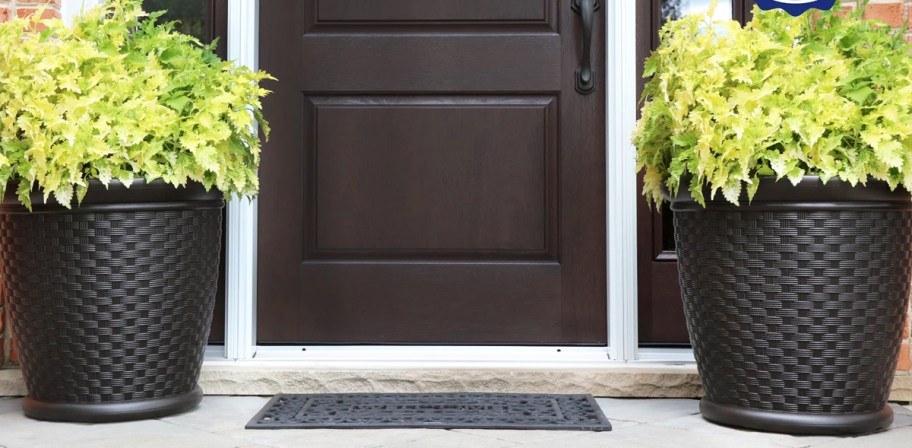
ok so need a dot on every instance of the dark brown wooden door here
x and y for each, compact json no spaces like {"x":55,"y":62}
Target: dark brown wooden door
{"x":433,"y":175}
{"x":660,"y":310}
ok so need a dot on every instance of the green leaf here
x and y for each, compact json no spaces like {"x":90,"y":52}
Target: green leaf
{"x":24,"y":191}
{"x":178,"y":103}
{"x":860,"y":95}
{"x":650,"y":67}
{"x":752,"y":187}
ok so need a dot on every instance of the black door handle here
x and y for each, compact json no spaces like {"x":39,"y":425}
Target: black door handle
{"x":585,"y":75}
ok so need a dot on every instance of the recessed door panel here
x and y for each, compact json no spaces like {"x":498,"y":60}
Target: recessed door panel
{"x":433,"y":177}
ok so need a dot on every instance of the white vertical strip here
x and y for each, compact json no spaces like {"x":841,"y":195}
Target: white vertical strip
{"x":621,"y":175}
{"x":240,"y":291}
{"x":72,"y":8}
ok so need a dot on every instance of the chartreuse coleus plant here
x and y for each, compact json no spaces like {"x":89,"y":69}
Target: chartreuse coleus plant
{"x":117,"y":95}
{"x":824,"y":94}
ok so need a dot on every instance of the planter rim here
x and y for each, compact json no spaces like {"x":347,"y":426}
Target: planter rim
{"x":140,"y":195}
{"x":810,"y":194}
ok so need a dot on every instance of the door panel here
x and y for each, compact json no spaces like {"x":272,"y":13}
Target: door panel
{"x":433,"y":177}
{"x":485,"y":194}
{"x":421,"y":63}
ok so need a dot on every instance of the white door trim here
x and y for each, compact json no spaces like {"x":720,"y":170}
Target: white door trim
{"x":241,"y":226}
{"x":621,"y":196}
{"x":71,"y":8}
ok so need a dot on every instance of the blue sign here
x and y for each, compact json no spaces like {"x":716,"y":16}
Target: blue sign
{"x":796,"y":7}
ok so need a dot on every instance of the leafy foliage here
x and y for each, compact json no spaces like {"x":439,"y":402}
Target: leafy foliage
{"x":823,"y":94}
{"x":119,"y":96}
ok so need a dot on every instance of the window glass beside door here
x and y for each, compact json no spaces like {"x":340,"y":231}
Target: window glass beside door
{"x":191,"y":15}
{"x":676,"y":9}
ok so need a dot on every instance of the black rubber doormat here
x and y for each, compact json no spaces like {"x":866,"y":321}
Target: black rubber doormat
{"x":441,"y":411}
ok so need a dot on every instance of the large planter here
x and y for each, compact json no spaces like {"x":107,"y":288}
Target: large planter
{"x":111,"y":301}
{"x":795,"y":303}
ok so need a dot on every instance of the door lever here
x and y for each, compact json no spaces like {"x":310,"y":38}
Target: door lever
{"x":585,"y":75}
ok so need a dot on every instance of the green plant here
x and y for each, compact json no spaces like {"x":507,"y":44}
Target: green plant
{"x":824,"y":94}
{"x":119,"y":96}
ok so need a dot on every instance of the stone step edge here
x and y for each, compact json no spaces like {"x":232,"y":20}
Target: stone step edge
{"x":625,"y":381}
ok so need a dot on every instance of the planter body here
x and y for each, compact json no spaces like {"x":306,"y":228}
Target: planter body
{"x":795,"y":303}
{"x":111,"y":301}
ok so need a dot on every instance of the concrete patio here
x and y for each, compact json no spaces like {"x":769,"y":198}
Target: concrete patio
{"x":219,"y":423}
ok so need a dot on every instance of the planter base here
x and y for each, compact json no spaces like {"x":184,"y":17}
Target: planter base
{"x":803,"y":424}
{"x":111,"y":412}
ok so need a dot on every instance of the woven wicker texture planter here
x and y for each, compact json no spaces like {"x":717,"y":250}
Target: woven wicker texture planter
{"x":795,"y":303}
{"x":111,"y":301}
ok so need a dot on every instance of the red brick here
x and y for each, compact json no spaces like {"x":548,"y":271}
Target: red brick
{"x":47,"y":14}
{"x":845,"y":11}
{"x":4,"y":14}
{"x":907,"y":329}
{"x":890,"y":13}
{"x":905,"y":359}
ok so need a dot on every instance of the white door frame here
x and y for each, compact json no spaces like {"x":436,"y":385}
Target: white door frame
{"x":621,"y":196}
{"x":71,"y":8}
{"x":241,"y":225}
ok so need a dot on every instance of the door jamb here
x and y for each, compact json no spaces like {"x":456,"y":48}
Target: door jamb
{"x":241,"y":226}
{"x":621,"y":194}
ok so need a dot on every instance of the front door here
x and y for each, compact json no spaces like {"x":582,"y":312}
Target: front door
{"x":435,"y":174}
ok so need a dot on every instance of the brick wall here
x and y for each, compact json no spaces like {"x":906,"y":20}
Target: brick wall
{"x":893,"y":12}
{"x":23,"y":8}
{"x":19,"y":8}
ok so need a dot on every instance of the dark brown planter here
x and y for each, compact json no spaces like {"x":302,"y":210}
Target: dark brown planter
{"x":111,"y":301}
{"x":795,"y":303}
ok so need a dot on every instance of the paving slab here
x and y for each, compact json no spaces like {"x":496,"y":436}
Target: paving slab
{"x":452,"y":439}
{"x":19,"y":431}
{"x":699,"y":426}
{"x":895,"y":437}
{"x":650,"y":435}
{"x":220,"y":414}
{"x":647,"y":410}
{"x":10,"y":405}
{"x":522,"y":436}
{"x":902,"y":416}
